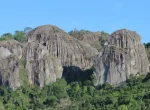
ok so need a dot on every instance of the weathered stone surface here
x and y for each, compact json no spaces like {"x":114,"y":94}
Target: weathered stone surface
{"x":11,"y":52}
{"x":41,"y":67}
{"x":10,"y":47}
{"x":9,"y":72}
{"x":122,"y":55}
{"x":70,"y":51}
{"x":48,"y":49}
{"x":93,"y":39}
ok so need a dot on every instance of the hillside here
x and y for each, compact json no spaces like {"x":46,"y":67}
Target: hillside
{"x":133,"y":95}
{"x":47,"y":68}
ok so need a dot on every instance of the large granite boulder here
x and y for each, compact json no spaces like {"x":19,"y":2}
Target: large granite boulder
{"x":71,"y":51}
{"x":122,"y":55}
{"x":10,"y":53}
{"x":28,"y":63}
{"x":92,"y":38}
{"x":42,"y":68}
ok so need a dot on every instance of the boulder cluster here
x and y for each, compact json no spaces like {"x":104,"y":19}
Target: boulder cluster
{"x":41,"y":59}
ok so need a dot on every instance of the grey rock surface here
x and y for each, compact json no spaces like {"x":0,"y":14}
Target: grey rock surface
{"x":122,"y":55}
{"x":71,"y":51}
{"x":92,"y":38}
{"x":41,"y":59}
{"x":10,"y":53}
{"x":41,"y":67}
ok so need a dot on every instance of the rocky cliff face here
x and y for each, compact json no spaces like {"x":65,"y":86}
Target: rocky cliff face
{"x":92,"y":38}
{"x":42,"y":68}
{"x":29,"y":63}
{"x":11,"y":52}
{"x":122,"y":55}
{"x":40,"y":60}
{"x":49,"y":50}
{"x":70,"y":51}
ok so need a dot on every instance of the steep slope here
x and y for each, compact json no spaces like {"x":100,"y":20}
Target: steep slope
{"x":70,"y":51}
{"x":95,"y":39}
{"x":39,"y":61}
{"x":147,"y":47}
{"x":122,"y":55}
{"x":27,"y":64}
{"x":11,"y":52}
{"x":41,"y":67}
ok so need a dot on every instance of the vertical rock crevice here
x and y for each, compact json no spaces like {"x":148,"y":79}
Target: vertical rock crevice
{"x":124,"y":55}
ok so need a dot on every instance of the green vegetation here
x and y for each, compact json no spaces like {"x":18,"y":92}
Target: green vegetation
{"x":6,"y":36}
{"x":133,"y":95}
{"x":147,"y":47}
{"x":23,"y":72}
{"x":77,"y":91}
{"x":19,"y":35}
{"x":103,"y":38}
{"x":78,"y":33}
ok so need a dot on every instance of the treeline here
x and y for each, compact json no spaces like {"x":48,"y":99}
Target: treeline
{"x":18,"y":35}
{"x":132,"y":95}
{"x":147,"y":47}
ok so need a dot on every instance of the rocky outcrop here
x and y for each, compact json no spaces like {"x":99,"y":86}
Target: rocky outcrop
{"x":10,"y":48}
{"x":29,"y":63}
{"x":11,"y":52}
{"x":95,"y":39}
{"x":70,"y":51}
{"x":40,"y":60}
{"x":42,"y":68}
{"x":92,"y":38}
{"x":122,"y":55}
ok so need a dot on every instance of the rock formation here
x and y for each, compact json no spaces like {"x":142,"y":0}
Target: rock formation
{"x":42,"y":68}
{"x":11,"y":52}
{"x":122,"y":55}
{"x":48,"y":50}
{"x":92,"y":38}
{"x":28,"y":63}
{"x":40,"y":60}
{"x":70,"y":51}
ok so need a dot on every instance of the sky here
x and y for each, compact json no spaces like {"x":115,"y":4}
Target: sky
{"x":93,"y":15}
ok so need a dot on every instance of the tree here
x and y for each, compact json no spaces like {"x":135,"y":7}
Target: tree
{"x":6,"y":36}
{"x":9,"y":35}
{"x":1,"y":106}
{"x":147,"y":78}
{"x":27,"y":30}
{"x":103,"y":38}
{"x":51,"y":101}
{"x":122,"y":107}
{"x":20,"y":36}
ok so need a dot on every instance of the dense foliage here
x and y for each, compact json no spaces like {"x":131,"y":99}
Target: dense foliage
{"x":18,"y":35}
{"x":133,"y":95}
{"x":76,"y":91}
{"x":79,"y":33}
{"x":6,"y":36}
{"x":147,"y":47}
{"x":103,"y":38}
